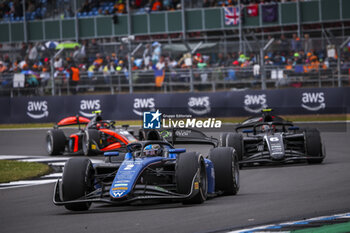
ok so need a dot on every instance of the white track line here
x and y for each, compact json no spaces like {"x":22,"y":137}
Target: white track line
{"x":50,"y":178}
{"x":52,"y":175}
{"x":45,"y":160}
{"x":299,"y":222}
{"x":3,"y":157}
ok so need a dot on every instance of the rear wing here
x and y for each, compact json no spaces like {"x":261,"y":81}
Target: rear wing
{"x":187,"y":136}
{"x":72,"y":120}
{"x":255,"y":125}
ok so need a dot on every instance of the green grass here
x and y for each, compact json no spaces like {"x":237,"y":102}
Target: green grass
{"x":323,"y":117}
{"x":11,"y":170}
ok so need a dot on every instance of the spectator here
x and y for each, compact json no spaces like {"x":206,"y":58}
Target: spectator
{"x":31,"y":7}
{"x":17,"y":9}
{"x":161,"y":63}
{"x":93,"y":48}
{"x":32,"y":52}
{"x":86,"y":6}
{"x":307,"y":43}
{"x":147,"y":55}
{"x":156,"y":52}
{"x":296,"y":44}
{"x":156,"y":6}
{"x":206,"y":3}
{"x":58,"y":62}
{"x":78,"y":54}
{"x":283,"y":44}
{"x":3,"y":68}
{"x":75,"y":78}
{"x":108,"y":70}
{"x":99,"y":59}
{"x":4,"y":9}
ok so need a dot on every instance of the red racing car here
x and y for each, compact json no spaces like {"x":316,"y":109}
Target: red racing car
{"x":97,"y":137}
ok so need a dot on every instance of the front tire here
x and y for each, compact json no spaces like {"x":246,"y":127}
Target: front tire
{"x":77,"y":181}
{"x":226,"y":170}
{"x":188,"y":166}
{"x":55,"y":142}
{"x":313,"y":145}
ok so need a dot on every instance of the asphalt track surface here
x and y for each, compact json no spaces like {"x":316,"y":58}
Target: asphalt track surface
{"x":267,"y":195}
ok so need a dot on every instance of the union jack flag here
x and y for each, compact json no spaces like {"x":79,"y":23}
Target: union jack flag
{"x":232,"y":15}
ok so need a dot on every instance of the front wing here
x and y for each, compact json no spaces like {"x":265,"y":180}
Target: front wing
{"x":140,"y":193}
{"x":290,"y":156}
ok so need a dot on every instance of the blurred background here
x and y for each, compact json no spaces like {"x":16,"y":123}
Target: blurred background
{"x":63,"y":47}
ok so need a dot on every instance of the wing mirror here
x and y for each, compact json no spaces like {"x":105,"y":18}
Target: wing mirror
{"x":111,"y":153}
{"x":177,"y":150}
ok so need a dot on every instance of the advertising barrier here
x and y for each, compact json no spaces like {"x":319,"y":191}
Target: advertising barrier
{"x":215,"y":104}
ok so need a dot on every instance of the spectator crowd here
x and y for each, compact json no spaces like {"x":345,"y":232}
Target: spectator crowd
{"x":12,"y":10}
{"x":89,"y":59}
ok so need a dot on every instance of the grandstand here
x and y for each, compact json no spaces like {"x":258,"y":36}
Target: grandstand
{"x":66,"y":47}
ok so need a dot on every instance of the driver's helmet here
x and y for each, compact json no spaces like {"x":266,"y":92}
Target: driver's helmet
{"x":153,"y":150}
{"x":101,"y":125}
{"x":265,"y":128}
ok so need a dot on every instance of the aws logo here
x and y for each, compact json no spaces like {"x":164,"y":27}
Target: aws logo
{"x":143,"y":105}
{"x":313,"y":101}
{"x":199,"y":105}
{"x":88,"y":106}
{"x":37,"y":109}
{"x":255,"y":103}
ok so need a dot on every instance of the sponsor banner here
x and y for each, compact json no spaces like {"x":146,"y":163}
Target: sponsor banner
{"x":195,"y":105}
{"x":316,"y":101}
{"x":85,"y":105}
{"x":5,"y":112}
{"x":37,"y":109}
{"x":133,"y":106}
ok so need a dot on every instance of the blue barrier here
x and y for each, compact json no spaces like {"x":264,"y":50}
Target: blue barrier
{"x":215,"y":104}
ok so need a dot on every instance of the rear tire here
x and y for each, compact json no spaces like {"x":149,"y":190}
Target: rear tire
{"x":313,"y":145}
{"x":226,"y":170}
{"x":90,"y":138}
{"x":235,"y":140}
{"x":222,"y":139}
{"x":77,"y":181}
{"x":186,"y":168}
{"x":55,"y":142}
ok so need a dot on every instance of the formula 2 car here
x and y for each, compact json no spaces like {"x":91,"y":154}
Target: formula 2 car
{"x":97,"y":137}
{"x":152,"y":170}
{"x":271,"y":139}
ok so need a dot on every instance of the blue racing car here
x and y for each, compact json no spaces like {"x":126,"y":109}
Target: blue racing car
{"x":152,"y":170}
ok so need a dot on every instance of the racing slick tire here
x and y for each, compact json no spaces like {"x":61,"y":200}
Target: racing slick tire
{"x":55,"y":142}
{"x":222,"y":139}
{"x":90,"y":136}
{"x":77,"y":181}
{"x":313,"y":145}
{"x":186,"y":168}
{"x":226,"y":170}
{"x":235,"y":140}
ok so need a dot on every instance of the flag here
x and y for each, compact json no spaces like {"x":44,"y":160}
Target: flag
{"x":159,"y":77}
{"x":252,"y":10}
{"x":269,"y":12}
{"x":231,"y":15}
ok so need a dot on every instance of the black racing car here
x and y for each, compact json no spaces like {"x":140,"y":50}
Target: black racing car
{"x":271,"y":139}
